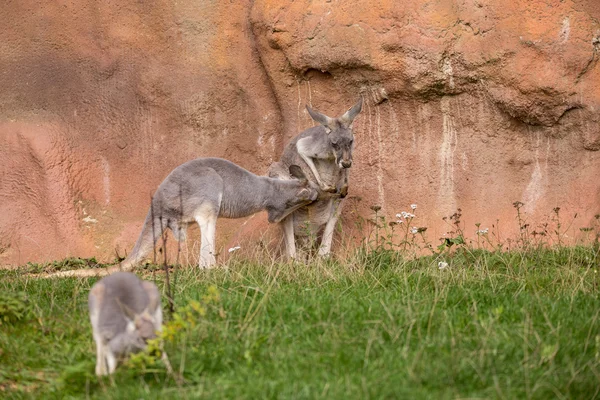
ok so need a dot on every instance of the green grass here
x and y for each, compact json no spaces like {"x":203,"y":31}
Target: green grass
{"x":491,"y":325}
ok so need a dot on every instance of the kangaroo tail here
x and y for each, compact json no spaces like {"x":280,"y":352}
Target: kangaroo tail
{"x":142,"y":247}
{"x":144,"y":244}
{"x":100,"y":272}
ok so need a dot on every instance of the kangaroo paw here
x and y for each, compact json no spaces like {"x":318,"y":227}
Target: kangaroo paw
{"x":343,"y":191}
{"x":328,"y":188}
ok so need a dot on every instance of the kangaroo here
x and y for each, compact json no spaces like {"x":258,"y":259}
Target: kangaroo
{"x":125,"y":312}
{"x":204,"y":189}
{"x":324,"y":152}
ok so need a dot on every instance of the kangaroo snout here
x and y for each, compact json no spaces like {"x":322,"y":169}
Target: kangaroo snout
{"x":344,"y":160}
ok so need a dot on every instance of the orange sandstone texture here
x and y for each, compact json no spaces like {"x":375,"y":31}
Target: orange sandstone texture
{"x":470,"y":104}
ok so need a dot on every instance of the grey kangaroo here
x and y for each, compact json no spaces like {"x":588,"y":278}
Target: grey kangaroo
{"x":324,"y":152}
{"x":204,"y":189}
{"x":125,"y":312}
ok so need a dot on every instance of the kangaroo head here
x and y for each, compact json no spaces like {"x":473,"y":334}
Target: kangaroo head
{"x":339,"y":133}
{"x":144,"y":325}
{"x":139,"y":326}
{"x":301,"y":192}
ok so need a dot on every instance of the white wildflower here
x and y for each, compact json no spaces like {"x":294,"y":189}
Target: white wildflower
{"x":482,"y":231}
{"x":399,"y":216}
{"x":413,"y":206}
{"x":442,"y":265}
{"x":236,"y":248}
{"x":399,"y":221}
{"x":414,"y":230}
{"x":90,"y":220}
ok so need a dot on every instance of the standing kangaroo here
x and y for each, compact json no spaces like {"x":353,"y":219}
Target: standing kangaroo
{"x":204,"y":189}
{"x":324,"y":152}
{"x":125,"y":312}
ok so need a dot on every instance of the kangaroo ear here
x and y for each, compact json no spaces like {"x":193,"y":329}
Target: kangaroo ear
{"x":145,"y":315}
{"x":297,"y":173}
{"x":320,"y":118}
{"x":349,"y":116}
{"x":153,"y":295}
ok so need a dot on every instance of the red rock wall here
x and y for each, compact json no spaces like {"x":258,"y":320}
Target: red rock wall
{"x":470,"y":104}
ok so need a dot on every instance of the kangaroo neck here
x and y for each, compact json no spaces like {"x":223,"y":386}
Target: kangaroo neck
{"x":268,"y":190}
{"x":249,"y":197}
{"x":277,"y":190}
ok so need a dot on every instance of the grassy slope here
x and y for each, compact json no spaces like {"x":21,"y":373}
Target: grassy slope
{"x":492,"y":325}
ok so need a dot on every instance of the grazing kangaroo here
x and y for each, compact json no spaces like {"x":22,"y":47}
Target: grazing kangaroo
{"x":204,"y":189}
{"x":125,"y":312}
{"x":324,"y":152}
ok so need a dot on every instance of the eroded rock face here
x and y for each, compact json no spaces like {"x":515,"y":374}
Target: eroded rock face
{"x":468,"y":104}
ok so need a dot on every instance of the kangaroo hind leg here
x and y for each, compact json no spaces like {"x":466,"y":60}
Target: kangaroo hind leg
{"x":335,"y":209}
{"x":206,"y":217}
{"x":288,"y":233}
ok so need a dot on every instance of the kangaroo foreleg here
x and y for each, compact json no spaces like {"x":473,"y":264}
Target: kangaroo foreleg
{"x":101,"y":367}
{"x":342,"y":190}
{"x":111,"y":359}
{"x":158,"y":317}
{"x":311,"y":164}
